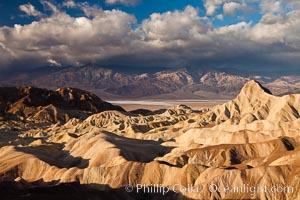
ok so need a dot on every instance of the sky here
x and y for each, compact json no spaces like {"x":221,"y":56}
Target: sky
{"x":243,"y":34}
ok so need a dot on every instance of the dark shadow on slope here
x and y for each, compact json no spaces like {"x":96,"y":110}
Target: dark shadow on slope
{"x":234,"y":157}
{"x":53,"y":154}
{"x":141,"y":111}
{"x":287,"y":143}
{"x":6,"y":136}
{"x":138,"y":150}
{"x":76,"y":191}
{"x":266,"y":90}
{"x":146,"y":112}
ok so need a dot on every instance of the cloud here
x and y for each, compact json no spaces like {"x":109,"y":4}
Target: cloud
{"x":53,"y":62}
{"x":293,"y":3}
{"x":7,"y":56}
{"x":123,"y":2}
{"x":10,"y":52}
{"x":170,"y":26}
{"x":30,"y":10}
{"x":220,"y":17}
{"x":280,"y":30}
{"x":49,"y":6}
{"x":271,"y":6}
{"x":90,"y":11}
{"x":177,"y":38}
{"x":69,"y":40}
{"x":212,"y":5}
{"x":69,"y":4}
{"x":231,"y":8}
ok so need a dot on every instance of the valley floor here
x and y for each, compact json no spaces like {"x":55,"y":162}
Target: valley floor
{"x":163,"y":104}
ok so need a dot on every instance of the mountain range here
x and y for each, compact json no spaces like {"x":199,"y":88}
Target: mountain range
{"x":157,"y":83}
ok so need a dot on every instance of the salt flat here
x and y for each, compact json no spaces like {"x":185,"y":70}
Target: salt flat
{"x":162,"y":104}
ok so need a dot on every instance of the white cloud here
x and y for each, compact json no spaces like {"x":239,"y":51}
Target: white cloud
{"x":212,"y":5}
{"x":220,"y":17}
{"x":68,"y":40}
{"x":30,"y":10}
{"x":53,"y":62}
{"x":170,"y":26}
{"x":69,"y":4}
{"x":90,"y":11}
{"x":274,"y":29}
{"x":124,"y":2}
{"x":231,"y":8}
{"x":271,"y":6}
{"x":49,"y":6}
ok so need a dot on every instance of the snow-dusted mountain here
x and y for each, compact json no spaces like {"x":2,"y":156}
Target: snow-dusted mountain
{"x":180,"y":83}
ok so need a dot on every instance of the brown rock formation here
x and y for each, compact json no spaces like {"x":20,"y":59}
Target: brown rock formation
{"x":45,"y":105}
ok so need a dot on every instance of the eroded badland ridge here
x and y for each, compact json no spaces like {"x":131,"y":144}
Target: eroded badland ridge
{"x":251,"y":140}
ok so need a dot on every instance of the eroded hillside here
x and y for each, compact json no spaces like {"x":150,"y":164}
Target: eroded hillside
{"x":252,"y":140}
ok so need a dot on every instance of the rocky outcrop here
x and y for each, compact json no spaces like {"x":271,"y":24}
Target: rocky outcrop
{"x":46,"y":105}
